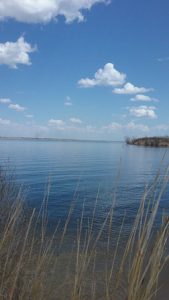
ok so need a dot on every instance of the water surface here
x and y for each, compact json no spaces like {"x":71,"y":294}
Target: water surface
{"x":84,"y":167}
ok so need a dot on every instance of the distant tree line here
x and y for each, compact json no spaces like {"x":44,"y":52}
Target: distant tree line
{"x":156,"y":141}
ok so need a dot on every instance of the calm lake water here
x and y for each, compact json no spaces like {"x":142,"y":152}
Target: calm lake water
{"x":84,"y":168}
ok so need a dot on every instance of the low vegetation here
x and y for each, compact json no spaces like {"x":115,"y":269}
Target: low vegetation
{"x":37,"y":265}
{"x":149,"y":141}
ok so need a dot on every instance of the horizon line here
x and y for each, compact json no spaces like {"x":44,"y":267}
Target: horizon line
{"x":58,"y":139}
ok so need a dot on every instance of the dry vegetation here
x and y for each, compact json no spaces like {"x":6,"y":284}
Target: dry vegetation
{"x":35,"y":266}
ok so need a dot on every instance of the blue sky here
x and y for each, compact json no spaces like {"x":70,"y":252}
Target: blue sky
{"x":89,"y":69}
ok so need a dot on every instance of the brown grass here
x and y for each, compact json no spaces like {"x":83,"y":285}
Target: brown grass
{"x":35,"y":265}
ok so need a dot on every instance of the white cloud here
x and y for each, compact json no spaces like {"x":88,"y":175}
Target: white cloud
{"x":43,"y":11}
{"x":143,"y":111}
{"x":17,"y":107}
{"x":14,"y":129}
{"x":4,"y":122}
{"x":56,"y":122}
{"x":113,"y":126}
{"x":5,"y":101}
{"x":108,"y":76}
{"x":111,"y":131}
{"x":14,"y":53}
{"x":75,"y":121}
{"x":144,"y":98}
{"x":129,"y":88}
{"x":131,"y":126}
{"x":141,"y":127}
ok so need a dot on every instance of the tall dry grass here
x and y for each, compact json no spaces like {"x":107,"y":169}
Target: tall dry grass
{"x":35,"y":265}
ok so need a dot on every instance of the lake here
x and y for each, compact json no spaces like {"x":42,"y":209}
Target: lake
{"x":81,"y":171}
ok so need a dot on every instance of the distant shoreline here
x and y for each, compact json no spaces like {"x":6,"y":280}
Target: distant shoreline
{"x":56,"y":140}
{"x":149,"y":141}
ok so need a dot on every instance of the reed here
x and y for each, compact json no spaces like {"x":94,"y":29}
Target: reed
{"x":36,"y":265}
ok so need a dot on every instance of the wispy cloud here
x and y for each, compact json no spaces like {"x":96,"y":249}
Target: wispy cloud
{"x":5,"y":101}
{"x":59,"y":124}
{"x":60,"y":128}
{"x":4,"y":122}
{"x":17,"y":107}
{"x":163,"y":59}
{"x":68,"y":101}
{"x":76,"y":121}
{"x":130,"y":126}
{"x":29,"y":116}
{"x":108,"y":76}
{"x":162,"y":127}
{"x":14,"y":53}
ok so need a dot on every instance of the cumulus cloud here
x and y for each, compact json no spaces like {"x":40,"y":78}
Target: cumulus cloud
{"x":14,"y":53}
{"x":130,"y":89}
{"x":143,"y":111}
{"x":43,"y":11}
{"x":144,"y":98}
{"x":17,"y":107}
{"x":5,"y":101}
{"x":108,"y":76}
{"x":4,"y":122}
{"x":75,"y":121}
